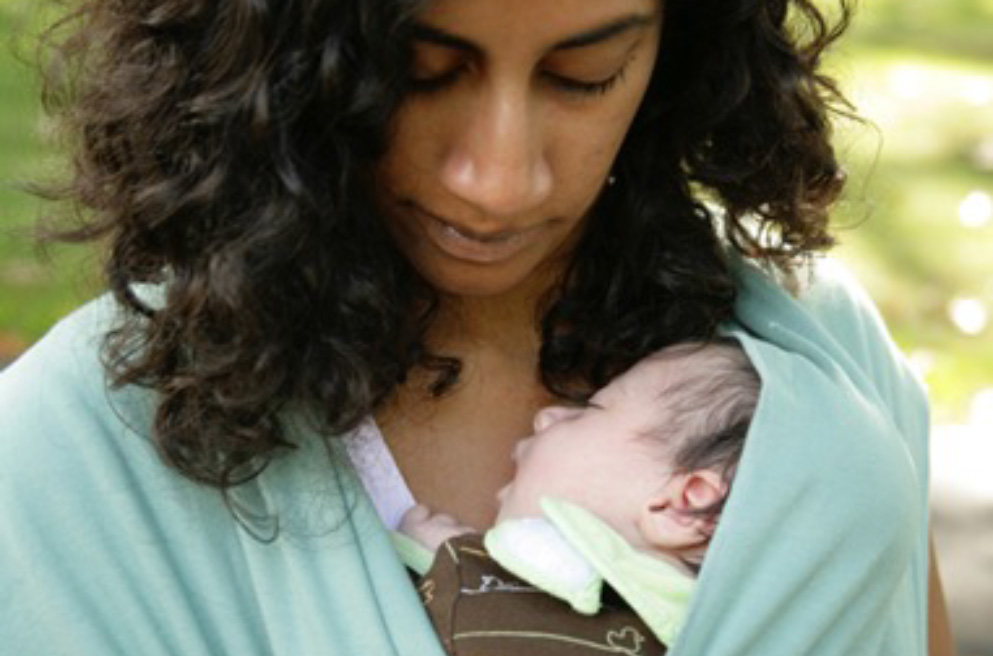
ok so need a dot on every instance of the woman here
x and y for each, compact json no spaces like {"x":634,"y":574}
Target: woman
{"x":414,"y":224}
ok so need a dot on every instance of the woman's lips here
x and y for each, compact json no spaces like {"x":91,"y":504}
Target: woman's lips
{"x":473,"y":246}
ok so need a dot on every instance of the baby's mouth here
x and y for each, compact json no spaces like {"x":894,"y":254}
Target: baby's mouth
{"x":502,"y":493}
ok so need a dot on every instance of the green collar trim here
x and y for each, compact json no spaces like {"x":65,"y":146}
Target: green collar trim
{"x":570,"y":552}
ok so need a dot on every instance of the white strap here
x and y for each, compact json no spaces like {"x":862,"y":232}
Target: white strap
{"x":379,"y":473}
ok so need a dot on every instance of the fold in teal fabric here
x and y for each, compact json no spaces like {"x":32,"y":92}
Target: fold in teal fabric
{"x":821,"y":550}
{"x":822,"y":547}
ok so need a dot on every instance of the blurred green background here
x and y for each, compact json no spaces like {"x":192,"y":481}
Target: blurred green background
{"x":916,"y":224}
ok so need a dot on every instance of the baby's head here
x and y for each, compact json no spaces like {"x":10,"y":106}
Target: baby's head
{"x":652,"y":454}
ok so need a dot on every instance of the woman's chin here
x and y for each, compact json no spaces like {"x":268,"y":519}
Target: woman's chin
{"x":467,"y":280}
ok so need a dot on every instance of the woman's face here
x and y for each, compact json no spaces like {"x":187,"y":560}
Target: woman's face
{"x":518,"y":111}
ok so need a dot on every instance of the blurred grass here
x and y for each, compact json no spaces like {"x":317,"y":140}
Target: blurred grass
{"x":920,"y":70}
{"x":938,"y":27}
{"x":35,"y":288}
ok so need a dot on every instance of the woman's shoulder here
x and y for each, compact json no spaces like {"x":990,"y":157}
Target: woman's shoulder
{"x":825,"y":314}
{"x":824,"y":288}
{"x":60,"y":414}
{"x":830,"y":292}
{"x":59,"y":371}
{"x":827,"y":359}
{"x":62,"y":356}
{"x":103,"y":545}
{"x":65,"y":426}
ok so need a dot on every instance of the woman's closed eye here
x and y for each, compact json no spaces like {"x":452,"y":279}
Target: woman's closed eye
{"x":433,"y":67}
{"x":586,"y":87}
{"x":436,"y":81}
{"x":424,"y":82}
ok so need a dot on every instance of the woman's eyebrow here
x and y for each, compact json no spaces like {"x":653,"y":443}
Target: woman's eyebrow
{"x":605,"y":32}
{"x":422,"y":32}
{"x":593,"y":36}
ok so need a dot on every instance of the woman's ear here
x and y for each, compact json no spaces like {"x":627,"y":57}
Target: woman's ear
{"x":674,"y":519}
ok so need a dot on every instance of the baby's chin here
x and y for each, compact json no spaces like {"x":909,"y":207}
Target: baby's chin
{"x":502,"y":505}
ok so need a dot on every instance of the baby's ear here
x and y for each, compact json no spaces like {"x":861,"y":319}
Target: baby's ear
{"x":673,"y":518}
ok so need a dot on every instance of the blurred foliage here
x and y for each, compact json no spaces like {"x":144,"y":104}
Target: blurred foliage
{"x":36,"y":288}
{"x":913,"y":224}
{"x":943,"y":27}
{"x":917,"y":221}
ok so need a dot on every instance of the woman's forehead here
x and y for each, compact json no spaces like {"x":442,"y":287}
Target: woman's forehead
{"x":489,"y":24}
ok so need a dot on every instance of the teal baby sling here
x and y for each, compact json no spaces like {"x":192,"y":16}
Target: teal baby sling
{"x":822,"y":548}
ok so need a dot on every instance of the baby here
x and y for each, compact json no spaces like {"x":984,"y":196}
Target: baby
{"x":626,"y":490}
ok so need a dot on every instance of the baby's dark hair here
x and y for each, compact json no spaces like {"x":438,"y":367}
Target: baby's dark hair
{"x":709,"y":406}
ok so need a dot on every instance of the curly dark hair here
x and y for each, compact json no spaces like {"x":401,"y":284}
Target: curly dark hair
{"x":224,"y":150}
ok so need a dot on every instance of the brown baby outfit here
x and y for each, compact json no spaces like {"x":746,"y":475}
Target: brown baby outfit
{"x":480,"y":609}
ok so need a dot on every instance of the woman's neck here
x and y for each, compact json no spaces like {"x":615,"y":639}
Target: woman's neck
{"x":508,"y":325}
{"x":454,"y":450}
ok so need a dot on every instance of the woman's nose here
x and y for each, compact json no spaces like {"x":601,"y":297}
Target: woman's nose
{"x":497,"y":161}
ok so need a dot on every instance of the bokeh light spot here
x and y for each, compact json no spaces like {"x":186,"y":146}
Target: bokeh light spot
{"x":969,"y":315}
{"x":977,"y":91}
{"x":976,"y":209}
{"x":907,"y":82}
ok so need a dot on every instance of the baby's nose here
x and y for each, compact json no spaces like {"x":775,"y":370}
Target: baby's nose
{"x":549,"y":416}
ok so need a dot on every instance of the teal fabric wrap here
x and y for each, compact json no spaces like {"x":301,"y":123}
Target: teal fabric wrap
{"x":822,"y":548}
